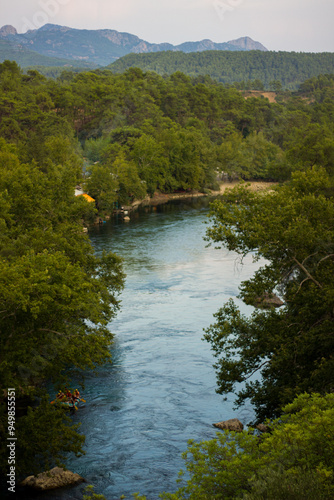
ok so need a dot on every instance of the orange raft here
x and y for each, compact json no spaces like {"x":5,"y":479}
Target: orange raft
{"x":68,"y":399}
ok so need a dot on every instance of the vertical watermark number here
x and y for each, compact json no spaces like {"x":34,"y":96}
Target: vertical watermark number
{"x":11,"y":445}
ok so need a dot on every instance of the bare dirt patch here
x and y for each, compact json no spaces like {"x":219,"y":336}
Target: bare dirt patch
{"x":271,"y":96}
{"x":253,"y":186}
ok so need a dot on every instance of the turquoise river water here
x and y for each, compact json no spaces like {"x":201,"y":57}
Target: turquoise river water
{"x":160,"y":391}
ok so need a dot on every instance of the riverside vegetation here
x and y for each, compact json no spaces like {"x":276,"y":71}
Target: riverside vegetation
{"x":137,"y":133}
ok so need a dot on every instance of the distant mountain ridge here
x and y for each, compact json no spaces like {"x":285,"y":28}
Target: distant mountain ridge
{"x":28,"y":58}
{"x":104,"y":46}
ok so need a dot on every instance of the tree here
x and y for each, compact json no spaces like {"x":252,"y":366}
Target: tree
{"x":251,"y":158}
{"x":313,"y":145}
{"x":130,"y":185}
{"x":290,"y":350}
{"x":56,"y":300}
{"x":102,"y":184}
{"x":148,"y":154}
{"x":183,"y":149}
{"x":294,"y":460}
{"x":276,"y":85}
{"x":264,"y":157}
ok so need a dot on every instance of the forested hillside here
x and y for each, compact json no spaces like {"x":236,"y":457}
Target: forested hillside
{"x":126,"y":136}
{"x":25,"y":57}
{"x":289,"y":68}
{"x":144,"y":132}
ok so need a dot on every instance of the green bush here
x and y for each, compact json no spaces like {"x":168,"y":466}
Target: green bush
{"x":294,"y":461}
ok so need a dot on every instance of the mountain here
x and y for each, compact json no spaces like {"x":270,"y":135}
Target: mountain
{"x":244,"y":43}
{"x":102,"y":47}
{"x":7,"y":30}
{"x":25,"y":57}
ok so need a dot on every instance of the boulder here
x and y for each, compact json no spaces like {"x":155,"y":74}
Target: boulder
{"x":231,"y":425}
{"x":268,"y":300}
{"x":55,"y":478}
{"x":262,"y":428}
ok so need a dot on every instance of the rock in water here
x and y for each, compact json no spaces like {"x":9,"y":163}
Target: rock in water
{"x":231,"y":425}
{"x":268,"y":300}
{"x":55,"y":478}
{"x":262,"y":428}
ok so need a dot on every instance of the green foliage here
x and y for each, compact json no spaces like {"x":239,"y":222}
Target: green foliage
{"x":281,"y":485}
{"x":176,"y":132}
{"x":251,"y":158}
{"x":140,"y":133}
{"x":294,"y":460}
{"x":292,"y":349}
{"x":218,"y":469}
{"x":102,"y":185}
{"x":89,"y":494}
{"x":56,"y":296}
{"x":152,"y":163}
{"x":53,"y":434}
{"x":255,"y":68}
{"x":130,"y":186}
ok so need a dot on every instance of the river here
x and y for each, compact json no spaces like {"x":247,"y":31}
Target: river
{"x":160,"y":390}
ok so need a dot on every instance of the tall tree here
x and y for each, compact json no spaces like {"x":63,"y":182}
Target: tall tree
{"x":290,"y":350}
{"x":56,"y":299}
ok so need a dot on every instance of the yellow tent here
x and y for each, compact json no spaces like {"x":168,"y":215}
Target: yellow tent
{"x":87,"y":197}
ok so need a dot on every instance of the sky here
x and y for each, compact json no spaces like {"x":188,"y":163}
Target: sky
{"x":288,"y":25}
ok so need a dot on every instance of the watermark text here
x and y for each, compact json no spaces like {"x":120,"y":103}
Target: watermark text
{"x":222,"y":7}
{"x":48,"y":10}
{"x":11,"y":481}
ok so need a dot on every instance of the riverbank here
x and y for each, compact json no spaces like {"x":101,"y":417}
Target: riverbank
{"x":161,"y":198}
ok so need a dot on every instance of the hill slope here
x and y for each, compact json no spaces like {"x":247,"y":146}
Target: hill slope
{"x":290,"y":68}
{"x":25,"y":57}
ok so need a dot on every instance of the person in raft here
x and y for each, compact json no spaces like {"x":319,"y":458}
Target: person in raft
{"x":71,"y":399}
{"x":61,"y":396}
{"x":75,"y":397}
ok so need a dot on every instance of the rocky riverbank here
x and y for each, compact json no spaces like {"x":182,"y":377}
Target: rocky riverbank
{"x":161,"y":198}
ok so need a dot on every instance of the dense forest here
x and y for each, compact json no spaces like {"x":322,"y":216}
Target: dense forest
{"x":248,"y":69}
{"x":144,"y":132}
{"x":126,"y":136}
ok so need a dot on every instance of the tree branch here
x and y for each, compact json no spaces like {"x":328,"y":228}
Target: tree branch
{"x":300,"y":285}
{"x":256,"y":369}
{"x":327,"y":257}
{"x":309,"y":256}
{"x":51,"y":331}
{"x":307,"y":272}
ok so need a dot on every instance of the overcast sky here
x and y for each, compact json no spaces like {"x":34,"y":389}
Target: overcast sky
{"x":291,"y":25}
